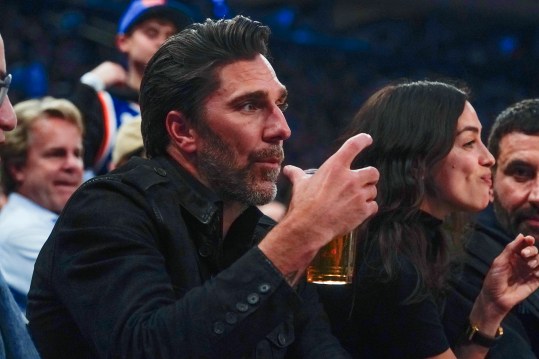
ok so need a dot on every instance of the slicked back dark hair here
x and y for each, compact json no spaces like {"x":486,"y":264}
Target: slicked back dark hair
{"x":520,"y":117}
{"x":183,"y":73}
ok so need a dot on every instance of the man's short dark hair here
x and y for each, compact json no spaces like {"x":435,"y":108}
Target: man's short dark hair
{"x":183,"y":72}
{"x":520,"y":117}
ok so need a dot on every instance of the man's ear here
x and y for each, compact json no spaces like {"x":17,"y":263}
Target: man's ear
{"x":16,"y":172}
{"x":122,"y":43}
{"x":181,"y":132}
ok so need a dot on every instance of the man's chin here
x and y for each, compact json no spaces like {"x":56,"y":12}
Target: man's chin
{"x":529,"y":230}
{"x":263,"y":194}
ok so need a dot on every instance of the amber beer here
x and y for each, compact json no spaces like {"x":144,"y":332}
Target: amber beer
{"x":334,"y":263}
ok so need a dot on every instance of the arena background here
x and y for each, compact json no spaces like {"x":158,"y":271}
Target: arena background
{"x":330,"y":54}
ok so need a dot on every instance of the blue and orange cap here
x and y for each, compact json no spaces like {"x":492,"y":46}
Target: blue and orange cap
{"x":140,"y":10}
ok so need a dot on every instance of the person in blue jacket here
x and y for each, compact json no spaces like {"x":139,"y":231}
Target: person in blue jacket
{"x":15,"y":342}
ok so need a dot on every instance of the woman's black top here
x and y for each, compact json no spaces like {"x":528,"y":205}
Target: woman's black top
{"x":382,"y":324}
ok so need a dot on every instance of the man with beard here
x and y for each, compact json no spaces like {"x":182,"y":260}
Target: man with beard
{"x":169,"y":257}
{"x":514,"y":143}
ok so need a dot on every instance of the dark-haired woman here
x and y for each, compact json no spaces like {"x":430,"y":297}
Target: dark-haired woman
{"x":433,"y":164}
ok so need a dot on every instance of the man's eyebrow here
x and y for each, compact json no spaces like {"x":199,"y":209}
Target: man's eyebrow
{"x":518,"y":163}
{"x":255,"y":95}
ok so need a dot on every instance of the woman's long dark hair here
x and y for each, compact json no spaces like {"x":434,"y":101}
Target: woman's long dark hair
{"x":413,"y":126}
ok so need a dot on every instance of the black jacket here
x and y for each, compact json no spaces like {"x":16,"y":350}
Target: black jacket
{"x":521,"y":326}
{"x":136,"y":267}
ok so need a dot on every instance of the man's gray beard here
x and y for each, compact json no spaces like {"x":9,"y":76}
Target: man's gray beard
{"x":218,"y":165}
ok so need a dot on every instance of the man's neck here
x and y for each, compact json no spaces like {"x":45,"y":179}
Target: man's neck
{"x":134,"y":76}
{"x":231,"y":211}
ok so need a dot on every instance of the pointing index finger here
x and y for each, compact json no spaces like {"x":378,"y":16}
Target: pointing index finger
{"x":351,"y":148}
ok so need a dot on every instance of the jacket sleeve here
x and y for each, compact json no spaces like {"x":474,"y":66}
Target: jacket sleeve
{"x":87,"y":101}
{"x":15,"y":342}
{"x":109,"y":270}
{"x":315,"y":339}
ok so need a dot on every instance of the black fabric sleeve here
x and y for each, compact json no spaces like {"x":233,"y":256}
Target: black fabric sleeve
{"x":87,"y":101}
{"x":110,"y":274}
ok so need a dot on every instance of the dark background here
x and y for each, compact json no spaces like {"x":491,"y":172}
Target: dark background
{"x":330,"y":54}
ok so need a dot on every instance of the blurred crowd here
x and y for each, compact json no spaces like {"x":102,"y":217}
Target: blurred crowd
{"x":173,"y":247}
{"x":52,"y":43}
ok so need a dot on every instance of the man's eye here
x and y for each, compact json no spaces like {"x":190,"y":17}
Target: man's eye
{"x":522,"y":175}
{"x":283,"y":106}
{"x":151,"y":33}
{"x":249,"y":107}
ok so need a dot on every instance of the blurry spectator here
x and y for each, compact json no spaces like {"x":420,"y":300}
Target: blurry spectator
{"x":15,"y":342}
{"x":3,"y":198}
{"x":108,"y":95}
{"x":514,"y":142}
{"x":128,"y":143}
{"x":274,"y":210}
{"x":41,"y":168}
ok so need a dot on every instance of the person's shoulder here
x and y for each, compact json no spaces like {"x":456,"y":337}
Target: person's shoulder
{"x":19,"y":212}
{"x":144,"y":173}
{"x":486,"y":240}
{"x":138,"y":172}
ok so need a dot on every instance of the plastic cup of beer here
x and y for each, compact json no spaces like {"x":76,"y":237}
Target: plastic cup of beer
{"x":334,"y":263}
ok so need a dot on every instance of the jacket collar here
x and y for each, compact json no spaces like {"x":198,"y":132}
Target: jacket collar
{"x":199,"y":200}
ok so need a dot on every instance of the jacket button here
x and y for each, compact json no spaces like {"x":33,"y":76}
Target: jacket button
{"x":231,"y":318}
{"x":160,"y":171}
{"x":205,"y":251}
{"x":242,"y":307}
{"x":219,"y":327}
{"x":264,"y":288}
{"x":253,"y":298}
{"x":281,"y":338}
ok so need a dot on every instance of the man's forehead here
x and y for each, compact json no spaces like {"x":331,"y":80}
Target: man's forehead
{"x":156,"y":22}
{"x":244,"y":76}
{"x":519,"y":146}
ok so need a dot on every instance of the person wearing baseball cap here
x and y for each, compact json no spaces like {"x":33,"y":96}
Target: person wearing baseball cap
{"x":140,"y":10}
{"x":107,"y":96}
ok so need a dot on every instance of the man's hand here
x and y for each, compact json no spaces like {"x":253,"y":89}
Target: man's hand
{"x":110,"y":73}
{"x":332,"y":202}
